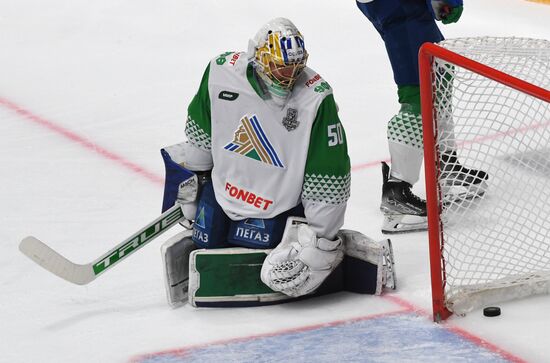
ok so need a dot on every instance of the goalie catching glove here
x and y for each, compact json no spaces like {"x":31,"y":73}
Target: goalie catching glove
{"x":301,"y":262}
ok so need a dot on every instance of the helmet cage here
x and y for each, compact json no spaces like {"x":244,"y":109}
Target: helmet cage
{"x":279,"y":52}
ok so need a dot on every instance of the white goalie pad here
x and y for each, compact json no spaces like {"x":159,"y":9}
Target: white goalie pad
{"x":301,"y":262}
{"x":175,"y":257}
{"x":378,"y":253}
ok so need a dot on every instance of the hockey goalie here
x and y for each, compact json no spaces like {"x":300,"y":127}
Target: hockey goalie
{"x":263,"y":182}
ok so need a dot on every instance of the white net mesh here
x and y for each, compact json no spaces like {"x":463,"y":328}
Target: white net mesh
{"x":496,"y":245}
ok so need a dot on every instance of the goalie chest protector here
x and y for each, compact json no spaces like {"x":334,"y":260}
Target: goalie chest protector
{"x":259,"y":150}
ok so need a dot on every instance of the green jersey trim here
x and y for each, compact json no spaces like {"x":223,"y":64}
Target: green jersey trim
{"x":327,"y":173}
{"x":198,"y":128}
{"x":406,"y":128}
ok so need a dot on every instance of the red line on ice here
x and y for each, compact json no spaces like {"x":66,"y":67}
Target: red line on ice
{"x":90,"y":145}
{"x":459,"y":331}
{"x":181,"y":352}
{"x":370,"y":164}
{"x":82,"y":141}
{"x":405,"y":308}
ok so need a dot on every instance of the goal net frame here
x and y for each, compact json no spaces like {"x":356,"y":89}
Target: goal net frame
{"x":427,"y":55}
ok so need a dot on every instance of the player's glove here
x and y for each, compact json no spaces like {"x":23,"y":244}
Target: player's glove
{"x":448,"y":11}
{"x":181,"y":186}
{"x":188,"y":191}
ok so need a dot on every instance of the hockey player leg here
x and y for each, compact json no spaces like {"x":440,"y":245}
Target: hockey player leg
{"x":458,"y":182}
{"x":175,"y":256}
{"x":403,"y":211}
{"x":369,"y":265}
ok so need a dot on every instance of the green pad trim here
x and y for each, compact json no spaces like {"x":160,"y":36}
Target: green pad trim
{"x":229,"y":275}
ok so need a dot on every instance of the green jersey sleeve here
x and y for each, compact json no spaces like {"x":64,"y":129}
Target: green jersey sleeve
{"x":198,"y":128}
{"x":327,"y":176}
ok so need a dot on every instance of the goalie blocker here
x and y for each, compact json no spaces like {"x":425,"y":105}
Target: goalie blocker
{"x":230,"y":277}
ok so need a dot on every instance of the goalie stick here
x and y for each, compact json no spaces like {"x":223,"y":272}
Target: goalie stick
{"x":78,"y":274}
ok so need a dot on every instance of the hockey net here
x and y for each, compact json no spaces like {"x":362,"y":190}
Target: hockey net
{"x":489,"y":100}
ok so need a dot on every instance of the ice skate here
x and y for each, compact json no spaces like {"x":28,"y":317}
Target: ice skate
{"x":403,"y":211}
{"x":459,"y":182}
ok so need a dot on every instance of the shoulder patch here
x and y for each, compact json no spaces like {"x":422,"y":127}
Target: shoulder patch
{"x":234,"y":58}
{"x":230,"y":58}
{"x":222,"y":58}
{"x":322,"y":87}
{"x":317,"y":83}
{"x":310,"y":82}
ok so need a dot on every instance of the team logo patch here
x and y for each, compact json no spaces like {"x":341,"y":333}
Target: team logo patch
{"x":200,"y":219}
{"x":228,"y":96}
{"x":251,"y":141}
{"x":289,"y":121}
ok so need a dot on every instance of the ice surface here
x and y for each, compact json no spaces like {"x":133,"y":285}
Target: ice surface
{"x":89,"y":93}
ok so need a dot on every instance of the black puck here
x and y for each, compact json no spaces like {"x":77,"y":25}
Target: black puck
{"x":491,"y":311}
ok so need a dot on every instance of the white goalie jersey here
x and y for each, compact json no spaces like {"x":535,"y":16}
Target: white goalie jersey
{"x":267,"y":159}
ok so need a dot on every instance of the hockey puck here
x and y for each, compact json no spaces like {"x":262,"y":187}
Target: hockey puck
{"x":491,"y":311}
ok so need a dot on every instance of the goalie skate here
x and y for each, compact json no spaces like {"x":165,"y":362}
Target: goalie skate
{"x":403,"y":211}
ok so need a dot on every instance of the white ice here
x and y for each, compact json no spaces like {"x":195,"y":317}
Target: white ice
{"x":89,"y":87}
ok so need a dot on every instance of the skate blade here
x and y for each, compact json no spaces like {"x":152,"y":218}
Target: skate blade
{"x":404,"y":223}
{"x":454,"y":194}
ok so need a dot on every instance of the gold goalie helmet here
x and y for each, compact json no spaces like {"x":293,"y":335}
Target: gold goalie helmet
{"x":279,"y":53}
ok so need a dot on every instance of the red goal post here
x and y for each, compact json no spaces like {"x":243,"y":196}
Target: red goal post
{"x":428,"y":56}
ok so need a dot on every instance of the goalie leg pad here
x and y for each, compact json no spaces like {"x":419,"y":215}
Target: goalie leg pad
{"x":175,"y":256}
{"x":229,"y":277}
{"x":369,"y":265}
